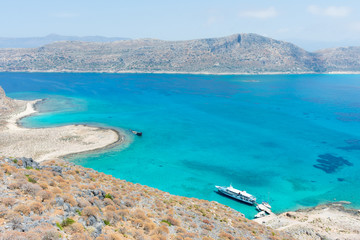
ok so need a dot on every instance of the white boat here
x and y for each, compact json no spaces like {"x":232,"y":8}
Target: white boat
{"x":237,"y":194}
{"x":266,"y":204}
{"x":261,"y":207}
{"x":260,"y":214}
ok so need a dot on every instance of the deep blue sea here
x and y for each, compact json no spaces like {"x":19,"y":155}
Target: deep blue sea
{"x":262,"y":134}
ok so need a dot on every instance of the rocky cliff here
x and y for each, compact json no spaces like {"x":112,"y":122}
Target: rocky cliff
{"x":239,"y":53}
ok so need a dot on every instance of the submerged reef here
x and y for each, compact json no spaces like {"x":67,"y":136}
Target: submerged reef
{"x":330,"y":163}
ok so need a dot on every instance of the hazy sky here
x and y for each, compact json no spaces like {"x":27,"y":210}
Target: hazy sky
{"x":308,"y":23}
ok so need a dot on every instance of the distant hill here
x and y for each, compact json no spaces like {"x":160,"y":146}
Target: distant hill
{"x":33,"y":42}
{"x":239,"y":53}
{"x":340,"y":59}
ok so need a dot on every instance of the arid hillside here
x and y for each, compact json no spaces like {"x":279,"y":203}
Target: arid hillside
{"x":57,"y":200}
{"x":238,"y":53}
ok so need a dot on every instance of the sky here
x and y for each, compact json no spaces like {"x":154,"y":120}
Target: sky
{"x":311,"y":24}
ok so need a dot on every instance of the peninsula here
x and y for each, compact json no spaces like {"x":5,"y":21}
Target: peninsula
{"x":46,"y":143}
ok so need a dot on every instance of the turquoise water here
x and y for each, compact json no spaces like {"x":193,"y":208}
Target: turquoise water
{"x":263,"y":134}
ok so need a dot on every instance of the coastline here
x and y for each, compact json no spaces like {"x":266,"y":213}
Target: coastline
{"x":44,"y":144}
{"x":191,"y":73}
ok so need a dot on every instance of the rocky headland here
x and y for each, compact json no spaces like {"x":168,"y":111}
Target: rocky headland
{"x":235,"y":54}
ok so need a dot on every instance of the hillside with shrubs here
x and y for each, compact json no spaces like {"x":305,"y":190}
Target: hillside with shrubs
{"x":59,"y":200}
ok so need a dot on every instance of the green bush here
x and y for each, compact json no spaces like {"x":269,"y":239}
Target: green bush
{"x":30,"y":179}
{"x":107,"y":223}
{"x":108,"y":195}
{"x":67,"y":222}
{"x":166,"y":221}
{"x":59,"y":226}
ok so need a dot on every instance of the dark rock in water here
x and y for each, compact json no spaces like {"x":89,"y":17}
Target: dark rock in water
{"x":354,"y":144}
{"x":350,"y":148}
{"x":330,"y":163}
{"x":341,"y":179}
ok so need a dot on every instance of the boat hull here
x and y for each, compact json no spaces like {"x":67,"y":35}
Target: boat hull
{"x":239,"y":198}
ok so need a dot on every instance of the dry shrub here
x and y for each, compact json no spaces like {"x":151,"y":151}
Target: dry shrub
{"x":36,"y":207}
{"x":162,"y":229}
{"x":64,"y":186}
{"x":22,"y":208}
{"x":75,"y":228}
{"x":110,"y":208}
{"x":3,"y":211}
{"x":69,"y":199}
{"x":56,"y":190}
{"x":31,"y":188}
{"x":9,"y":169}
{"x":48,"y":232}
{"x":207,"y":238}
{"x":43,"y":185}
{"x":45,"y":195}
{"x":15,"y":219}
{"x":173,"y":221}
{"x":108,"y":201}
{"x":17,"y":184}
{"x":180,"y":230}
{"x":158,"y":237}
{"x":89,"y":211}
{"x":123,"y":212}
{"x":13,"y":235}
{"x":129,"y":203}
{"x":224,"y":235}
{"x":8,"y":202}
{"x":137,"y":223}
{"x":117,"y":201}
{"x":111,"y":217}
{"x":82,"y":202}
{"x":139,"y":214}
{"x":80,"y":236}
{"x":138,"y":235}
{"x":149,"y":226}
{"x":206,"y":227}
{"x":59,"y":179}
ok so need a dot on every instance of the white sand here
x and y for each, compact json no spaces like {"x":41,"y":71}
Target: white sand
{"x":50,"y":143}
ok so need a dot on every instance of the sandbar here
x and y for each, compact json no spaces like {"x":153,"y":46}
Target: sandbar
{"x":50,"y":143}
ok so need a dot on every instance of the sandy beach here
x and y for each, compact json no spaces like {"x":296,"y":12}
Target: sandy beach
{"x":49,"y":143}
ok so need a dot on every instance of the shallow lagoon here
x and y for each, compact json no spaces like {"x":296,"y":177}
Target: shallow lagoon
{"x":263,"y":134}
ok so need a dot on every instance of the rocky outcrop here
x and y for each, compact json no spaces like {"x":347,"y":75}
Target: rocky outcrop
{"x":239,"y":53}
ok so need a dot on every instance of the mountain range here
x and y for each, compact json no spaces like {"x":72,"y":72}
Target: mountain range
{"x":238,"y":54}
{"x":32,"y":42}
